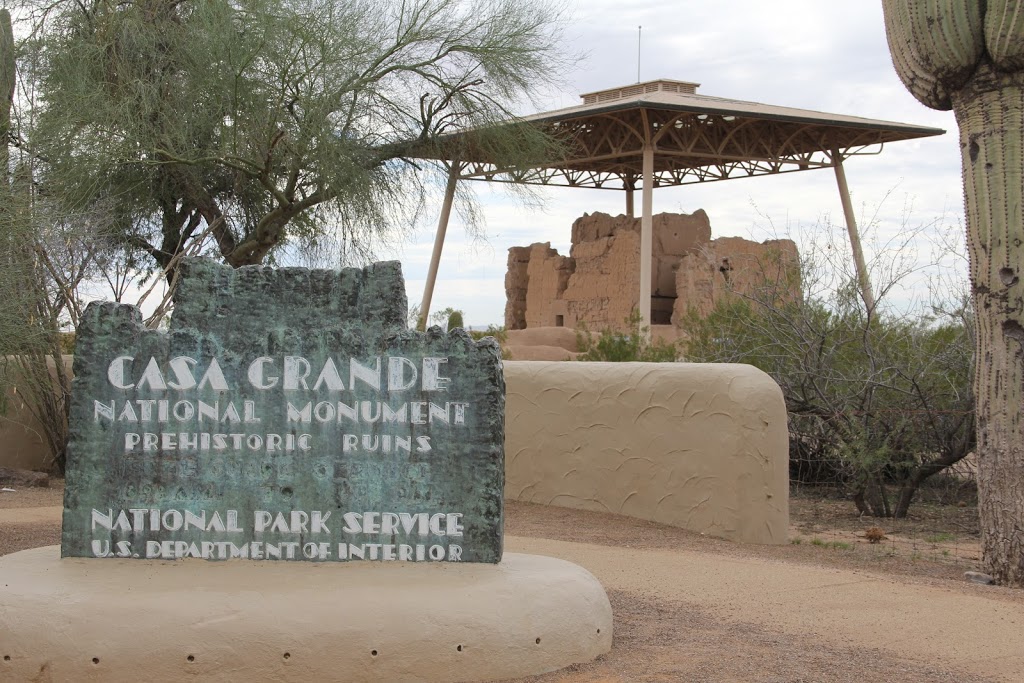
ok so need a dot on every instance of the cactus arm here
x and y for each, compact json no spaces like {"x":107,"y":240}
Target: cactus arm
{"x":954,"y":32}
{"x":912,"y":71}
{"x":7,"y":75}
{"x":1004,"y":30}
{"x":935,"y":45}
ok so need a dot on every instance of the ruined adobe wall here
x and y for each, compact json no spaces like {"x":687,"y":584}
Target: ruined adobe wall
{"x":516,"y":279}
{"x":548,"y":277}
{"x":598,"y":283}
{"x":735,"y":265}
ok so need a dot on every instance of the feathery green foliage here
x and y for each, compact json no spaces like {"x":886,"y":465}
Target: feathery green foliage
{"x":252,"y":123}
{"x":31,"y":310}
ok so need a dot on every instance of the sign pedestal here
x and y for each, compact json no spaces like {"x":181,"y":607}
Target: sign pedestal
{"x":288,"y":484}
{"x":130,"y":620}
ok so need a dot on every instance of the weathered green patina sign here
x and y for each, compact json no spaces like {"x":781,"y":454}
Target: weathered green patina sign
{"x":286,"y":414}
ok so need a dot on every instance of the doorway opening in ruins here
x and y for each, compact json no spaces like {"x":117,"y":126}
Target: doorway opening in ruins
{"x":661,"y":309}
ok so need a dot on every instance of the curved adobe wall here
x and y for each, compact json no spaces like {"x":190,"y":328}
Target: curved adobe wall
{"x":699,"y":446}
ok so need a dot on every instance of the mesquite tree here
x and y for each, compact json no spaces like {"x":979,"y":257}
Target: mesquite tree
{"x":969,"y":57}
{"x":31,"y":302}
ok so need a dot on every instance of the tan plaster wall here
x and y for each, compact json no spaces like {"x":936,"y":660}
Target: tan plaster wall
{"x":698,"y":446}
{"x":190,"y":620}
{"x":22,"y":442}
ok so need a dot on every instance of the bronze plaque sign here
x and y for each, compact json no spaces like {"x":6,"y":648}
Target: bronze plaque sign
{"x":285,"y":415}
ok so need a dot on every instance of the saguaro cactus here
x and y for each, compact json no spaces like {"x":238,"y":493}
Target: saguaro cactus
{"x":968,"y":56}
{"x":6,"y":88}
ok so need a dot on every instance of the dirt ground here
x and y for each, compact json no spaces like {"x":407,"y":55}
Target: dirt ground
{"x":663,"y":633}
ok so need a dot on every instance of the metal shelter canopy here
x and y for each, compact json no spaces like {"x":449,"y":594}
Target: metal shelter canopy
{"x":661,"y":134}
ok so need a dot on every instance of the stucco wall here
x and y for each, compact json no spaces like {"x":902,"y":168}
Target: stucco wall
{"x":22,"y":444}
{"x":702,"y":447}
{"x":22,"y":441}
{"x":123,"y":620}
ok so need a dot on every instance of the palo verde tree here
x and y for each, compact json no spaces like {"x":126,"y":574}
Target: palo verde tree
{"x":32,"y":372}
{"x":969,"y":57}
{"x":254,"y":122}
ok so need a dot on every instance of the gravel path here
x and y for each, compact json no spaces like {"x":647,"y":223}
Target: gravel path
{"x":691,"y":608}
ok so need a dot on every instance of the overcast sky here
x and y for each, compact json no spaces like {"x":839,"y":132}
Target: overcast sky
{"x":825,"y":56}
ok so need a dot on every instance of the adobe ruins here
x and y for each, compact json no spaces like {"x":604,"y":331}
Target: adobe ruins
{"x":598,"y":283}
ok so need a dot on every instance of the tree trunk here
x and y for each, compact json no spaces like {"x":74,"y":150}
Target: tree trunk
{"x":871,"y":498}
{"x":990,"y":114}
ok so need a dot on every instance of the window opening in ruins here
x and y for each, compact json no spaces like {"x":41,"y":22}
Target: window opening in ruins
{"x":661,"y":309}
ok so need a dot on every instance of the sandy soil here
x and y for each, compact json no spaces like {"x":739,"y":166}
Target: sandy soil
{"x":692,"y":608}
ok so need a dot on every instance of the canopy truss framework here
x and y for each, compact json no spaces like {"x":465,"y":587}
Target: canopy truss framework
{"x":662,"y":134}
{"x":606,"y":152}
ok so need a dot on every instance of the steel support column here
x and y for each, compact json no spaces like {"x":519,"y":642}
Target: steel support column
{"x":646,"y":240}
{"x":851,"y":228}
{"x":435,"y":258}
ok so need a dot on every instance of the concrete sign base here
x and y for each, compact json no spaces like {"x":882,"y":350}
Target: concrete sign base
{"x":130,"y":620}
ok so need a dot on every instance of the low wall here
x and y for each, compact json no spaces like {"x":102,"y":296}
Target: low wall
{"x":22,"y":444}
{"x":22,"y":441}
{"x":702,"y":447}
{"x":698,"y":446}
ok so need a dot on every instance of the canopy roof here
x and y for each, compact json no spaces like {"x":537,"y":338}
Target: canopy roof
{"x":696,"y":138}
{"x":662,"y":133}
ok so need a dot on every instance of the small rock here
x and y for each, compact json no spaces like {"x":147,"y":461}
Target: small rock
{"x":23,"y":478}
{"x":978,"y":577}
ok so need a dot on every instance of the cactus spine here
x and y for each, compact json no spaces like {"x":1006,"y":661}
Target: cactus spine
{"x":969,"y":57}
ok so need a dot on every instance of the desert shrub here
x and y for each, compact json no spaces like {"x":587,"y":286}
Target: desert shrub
{"x":616,"y":346}
{"x":877,"y":402}
{"x":498,"y":332}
